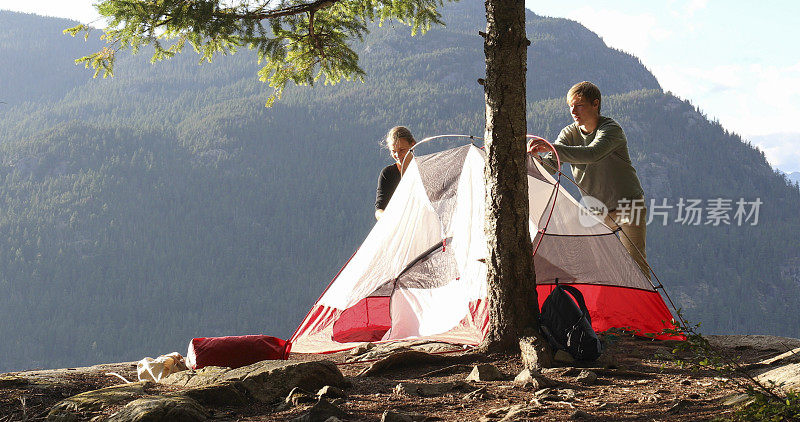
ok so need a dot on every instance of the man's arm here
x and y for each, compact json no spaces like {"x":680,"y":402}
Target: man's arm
{"x":548,"y":161}
{"x":607,"y":139}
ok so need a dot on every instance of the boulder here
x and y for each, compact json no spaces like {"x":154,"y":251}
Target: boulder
{"x":222,"y":394}
{"x":266,"y":381}
{"x":587,"y":378}
{"x":10,"y":381}
{"x":485,"y":372}
{"x":786,"y":377}
{"x":205,"y":376}
{"x":579,"y":415}
{"x":428,"y":389}
{"x":330,"y":392}
{"x":90,"y":402}
{"x":157,"y":409}
{"x":299,"y":396}
{"x":479,"y":394}
{"x":401,"y":358}
{"x":531,"y":381}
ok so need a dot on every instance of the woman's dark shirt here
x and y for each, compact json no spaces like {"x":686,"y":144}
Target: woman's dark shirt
{"x":387,"y":183}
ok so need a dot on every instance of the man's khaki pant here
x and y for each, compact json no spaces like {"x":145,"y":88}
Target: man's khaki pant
{"x":635,"y":230}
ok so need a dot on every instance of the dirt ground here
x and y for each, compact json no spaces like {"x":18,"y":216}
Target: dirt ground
{"x":645,"y":384}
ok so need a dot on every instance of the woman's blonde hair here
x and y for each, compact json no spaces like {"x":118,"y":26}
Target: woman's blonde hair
{"x":400,"y":132}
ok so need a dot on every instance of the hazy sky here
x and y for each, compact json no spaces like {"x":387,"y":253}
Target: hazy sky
{"x":737,"y":60}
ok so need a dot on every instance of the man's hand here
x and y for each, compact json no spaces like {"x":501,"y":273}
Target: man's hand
{"x":537,"y":145}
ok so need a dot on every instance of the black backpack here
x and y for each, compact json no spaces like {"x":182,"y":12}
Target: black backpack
{"x":568,"y":326}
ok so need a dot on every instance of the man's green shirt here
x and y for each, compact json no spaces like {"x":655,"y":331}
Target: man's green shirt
{"x":600,"y":162}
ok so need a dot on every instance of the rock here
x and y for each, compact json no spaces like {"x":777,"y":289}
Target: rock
{"x":678,"y":405}
{"x":759,"y":343}
{"x":223,"y":394}
{"x":570,"y":372}
{"x":401,"y":359}
{"x":519,"y":412}
{"x":479,"y":394}
{"x":321,"y":412}
{"x":735,"y":399}
{"x":792,"y":356}
{"x":394,"y":416}
{"x":485,"y":372}
{"x":361,"y":349}
{"x":531,"y":381}
{"x":156,"y":409}
{"x":299,"y":396}
{"x":587,"y":378}
{"x":579,"y":415}
{"x":608,"y":360}
{"x":94,"y":401}
{"x":10,"y":381}
{"x":567,"y":394}
{"x":204,"y":376}
{"x":607,"y":406}
{"x":426,"y":389}
{"x":330,"y":392}
{"x":563,"y":357}
{"x":390,"y":416}
{"x":501,"y":412}
{"x":268,"y":381}
{"x":787,"y":377}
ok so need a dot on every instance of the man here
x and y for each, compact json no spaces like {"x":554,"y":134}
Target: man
{"x":597,"y":150}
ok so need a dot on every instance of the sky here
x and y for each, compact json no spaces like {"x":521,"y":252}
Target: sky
{"x":737,"y":60}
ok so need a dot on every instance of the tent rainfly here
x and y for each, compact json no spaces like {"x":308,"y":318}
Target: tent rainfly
{"x":421,"y":271}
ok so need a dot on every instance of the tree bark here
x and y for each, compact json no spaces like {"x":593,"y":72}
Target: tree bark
{"x":513,"y":305}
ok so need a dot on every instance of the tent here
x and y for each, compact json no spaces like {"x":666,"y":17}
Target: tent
{"x":421,"y":271}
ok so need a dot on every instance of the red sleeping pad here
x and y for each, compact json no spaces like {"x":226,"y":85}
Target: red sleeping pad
{"x":234,"y":351}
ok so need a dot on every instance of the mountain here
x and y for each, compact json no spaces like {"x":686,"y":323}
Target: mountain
{"x":168,"y":203}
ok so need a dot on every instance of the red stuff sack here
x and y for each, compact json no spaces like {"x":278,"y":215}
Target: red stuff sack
{"x":234,"y":351}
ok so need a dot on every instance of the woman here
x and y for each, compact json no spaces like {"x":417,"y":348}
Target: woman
{"x":399,"y":141}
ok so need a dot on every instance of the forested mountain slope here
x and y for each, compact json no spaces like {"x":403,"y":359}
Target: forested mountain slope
{"x":168,"y":203}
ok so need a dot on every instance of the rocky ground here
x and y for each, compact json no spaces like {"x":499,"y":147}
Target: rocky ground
{"x":637,"y":379}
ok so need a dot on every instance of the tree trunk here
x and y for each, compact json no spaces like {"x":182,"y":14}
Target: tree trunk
{"x":513,"y":306}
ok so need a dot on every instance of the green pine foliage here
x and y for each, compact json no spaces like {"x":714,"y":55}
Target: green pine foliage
{"x":166,"y":203}
{"x":296,"y":41}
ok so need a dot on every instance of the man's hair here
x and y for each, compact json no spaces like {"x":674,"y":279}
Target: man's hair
{"x":586,"y":90}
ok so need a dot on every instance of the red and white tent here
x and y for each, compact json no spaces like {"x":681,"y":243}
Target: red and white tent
{"x":421,"y":271}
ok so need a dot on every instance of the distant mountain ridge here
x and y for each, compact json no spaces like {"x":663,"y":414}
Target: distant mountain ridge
{"x":167,"y":203}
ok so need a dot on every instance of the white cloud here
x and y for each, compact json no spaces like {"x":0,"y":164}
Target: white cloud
{"x":748,"y":99}
{"x":624,"y":31}
{"x":80,"y":10}
{"x":781,"y":150}
{"x":693,"y":6}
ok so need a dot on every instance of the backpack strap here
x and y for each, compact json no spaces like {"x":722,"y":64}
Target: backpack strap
{"x":578,"y":298}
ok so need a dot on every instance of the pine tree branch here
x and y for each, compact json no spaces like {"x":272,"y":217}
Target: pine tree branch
{"x":277,"y":13}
